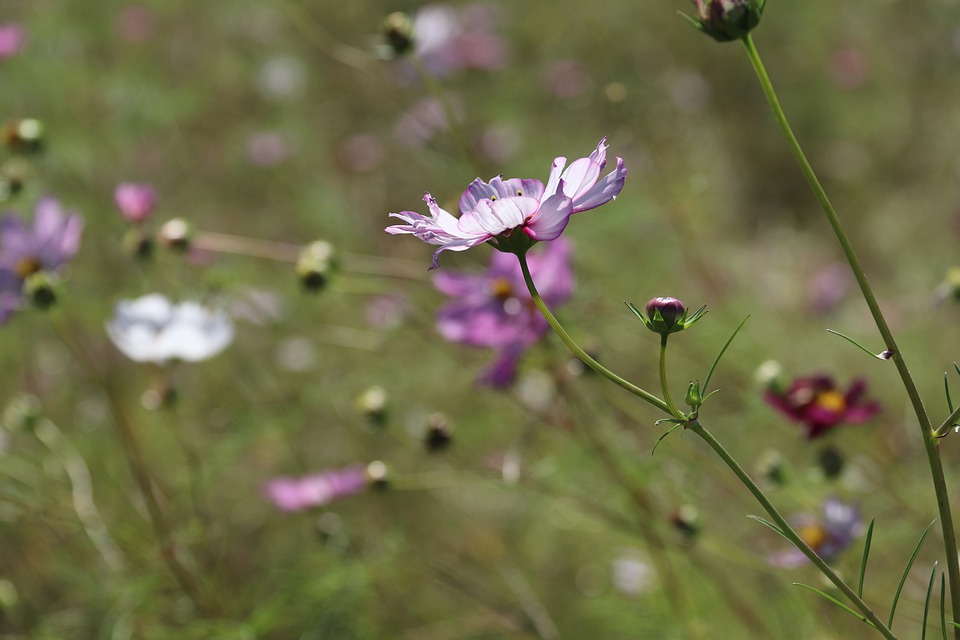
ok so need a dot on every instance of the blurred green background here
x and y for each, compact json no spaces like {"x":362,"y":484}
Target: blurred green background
{"x":276,"y":120}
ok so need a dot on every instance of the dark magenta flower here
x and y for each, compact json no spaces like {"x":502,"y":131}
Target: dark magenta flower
{"x":494,"y":310}
{"x":496,"y":210}
{"x":12,"y":38}
{"x":47,"y":245}
{"x":819,"y":405}
{"x":837,"y":527}
{"x":317,"y":490}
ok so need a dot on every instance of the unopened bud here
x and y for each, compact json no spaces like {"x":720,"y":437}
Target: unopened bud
{"x":693,"y":398}
{"x":22,"y":413}
{"x":686,"y":520}
{"x":726,"y":20}
{"x":397,"y":29}
{"x":176,"y":234}
{"x":372,"y":404}
{"x":667,"y":315}
{"x":378,"y":475}
{"x":24,"y":136}
{"x":439,"y":433}
{"x":138,"y":244}
{"x":40,"y":288}
{"x":316,"y":262}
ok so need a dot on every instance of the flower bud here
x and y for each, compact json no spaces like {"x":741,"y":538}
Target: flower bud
{"x":831,"y":461}
{"x":135,"y":201}
{"x":439,"y":433}
{"x":726,"y":20}
{"x":397,"y":28}
{"x":315,"y":264}
{"x":22,"y":413}
{"x":378,"y":475}
{"x":138,"y":244}
{"x":372,"y":404}
{"x":686,"y":520}
{"x":693,"y":398}
{"x":667,"y":315}
{"x":24,"y":136}
{"x":176,"y":234}
{"x":40,"y":288}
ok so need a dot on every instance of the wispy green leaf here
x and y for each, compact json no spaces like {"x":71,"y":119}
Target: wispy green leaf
{"x":856,"y":614}
{"x":706,"y":380}
{"x":906,"y":571}
{"x":866,"y":554}
{"x":926,"y":602}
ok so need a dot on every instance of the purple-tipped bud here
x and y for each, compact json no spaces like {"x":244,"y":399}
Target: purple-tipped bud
{"x":671,"y":311}
{"x":135,"y":201}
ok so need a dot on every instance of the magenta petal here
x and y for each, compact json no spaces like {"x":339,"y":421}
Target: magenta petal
{"x":551,"y":218}
{"x":456,"y":284}
{"x":603,"y":191}
{"x":579,"y":177}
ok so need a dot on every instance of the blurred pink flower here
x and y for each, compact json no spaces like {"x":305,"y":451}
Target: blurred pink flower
{"x":52,"y":240}
{"x":267,"y":149}
{"x":134,"y":23}
{"x":12,"y":39}
{"x":135,"y":201}
{"x":498,"y":208}
{"x":819,"y":406}
{"x":849,"y":67}
{"x":494,"y":310}
{"x":828,"y":286}
{"x":566,"y":79}
{"x":317,"y":490}
{"x":362,"y":153}
{"x":422,"y":121}
{"x":827,"y":535}
{"x":448,"y":39}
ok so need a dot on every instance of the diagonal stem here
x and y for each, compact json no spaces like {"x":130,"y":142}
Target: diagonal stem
{"x":928,"y":434}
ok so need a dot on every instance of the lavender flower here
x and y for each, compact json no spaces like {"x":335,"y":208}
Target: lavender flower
{"x":494,"y":310}
{"x":47,"y":245}
{"x":153,"y":329}
{"x":317,"y":490}
{"x":494,"y":210}
{"x":135,"y":201}
{"x":448,"y":39}
{"x":828,"y":536}
{"x":12,"y":38}
{"x":817,"y":404}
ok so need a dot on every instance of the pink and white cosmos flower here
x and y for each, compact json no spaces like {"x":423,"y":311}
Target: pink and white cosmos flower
{"x":489,"y":210}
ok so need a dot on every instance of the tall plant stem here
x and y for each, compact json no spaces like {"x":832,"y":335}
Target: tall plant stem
{"x":580,"y":353}
{"x":663,"y":378}
{"x":927,"y":432}
{"x":787,"y":531}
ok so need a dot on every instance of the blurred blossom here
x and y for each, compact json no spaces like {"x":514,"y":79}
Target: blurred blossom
{"x":448,"y":39}
{"x":153,"y":329}
{"x":819,"y":406}
{"x":828,"y":535}
{"x":317,"y":490}
{"x":689,"y":91}
{"x":829,"y":286}
{"x":296,"y":354}
{"x":631,"y":574}
{"x":281,"y":77}
{"x":499,"y":143}
{"x":12,"y":39}
{"x":267,"y":149}
{"x":492,"y":212}
{"x":420,"y":123}
{"x":494,"y":310}
{"x":134,"y":23}
{"x":387,"y":311}
{"x":566,"y":79}
{"x":47,"y":245}
{"x":135,"y":201}
{"x":849,"y":67}
{"x":362,"y":153}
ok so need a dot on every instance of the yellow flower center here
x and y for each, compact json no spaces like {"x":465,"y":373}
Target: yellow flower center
{"x":832,"y":401}
{"x":26,"y":266}
{"x":500,"y":289}
{"x":814,"y":535}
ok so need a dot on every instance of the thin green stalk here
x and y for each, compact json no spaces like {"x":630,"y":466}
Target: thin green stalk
{"x":580,"y":353}
{"x":788,"y":531}
{"x":928,"y":434}
{"x":663,"y":377}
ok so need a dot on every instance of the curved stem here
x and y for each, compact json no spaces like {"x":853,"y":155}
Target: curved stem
{"x":788,"y":531}
{"x":580,"y":353}
{"x":927,"y":432}
{"x":663,"y":378}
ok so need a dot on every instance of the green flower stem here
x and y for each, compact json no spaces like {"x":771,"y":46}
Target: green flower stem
{"x":580,"y":353}
{"x":944,"y":428}
{"x":663,"y":378}
{"x":788,"y":531}
{"x":928,"y":434}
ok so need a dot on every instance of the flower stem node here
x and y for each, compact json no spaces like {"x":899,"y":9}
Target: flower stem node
{"x":727,"y":20}
{"x":40,"y":288}
{"x":317,"y":260}
{"x":176,"y":234}
{"x":397,"y":29}
{"x":667,"y":315}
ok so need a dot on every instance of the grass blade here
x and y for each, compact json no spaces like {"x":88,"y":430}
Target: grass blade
{"x":856,"y":614}
{"x":926,"y":602}
{"x":724,"y":350}
{"x":866,"y":554}
{"x":946,"y":389}
{"x":943,"y":610}
{"x":906,"y":570}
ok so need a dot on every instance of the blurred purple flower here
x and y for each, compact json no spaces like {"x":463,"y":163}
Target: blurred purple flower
{"x":828,"y":535}
{"x":317,"y":490}
{"x":494,"y":310}
{"x":499,"y":207}
{"x":12,"y":39}
{"x":566,"y":79}
{"x":418,"y":124}
{"x":819,"y":406}
{"x":267,"y":149}
{"x":135,"y":201}
{"x":448,"y":39}
{"x":48,"y":244}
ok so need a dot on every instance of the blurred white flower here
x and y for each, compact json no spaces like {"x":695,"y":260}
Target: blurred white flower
{"x":153,"y":329}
